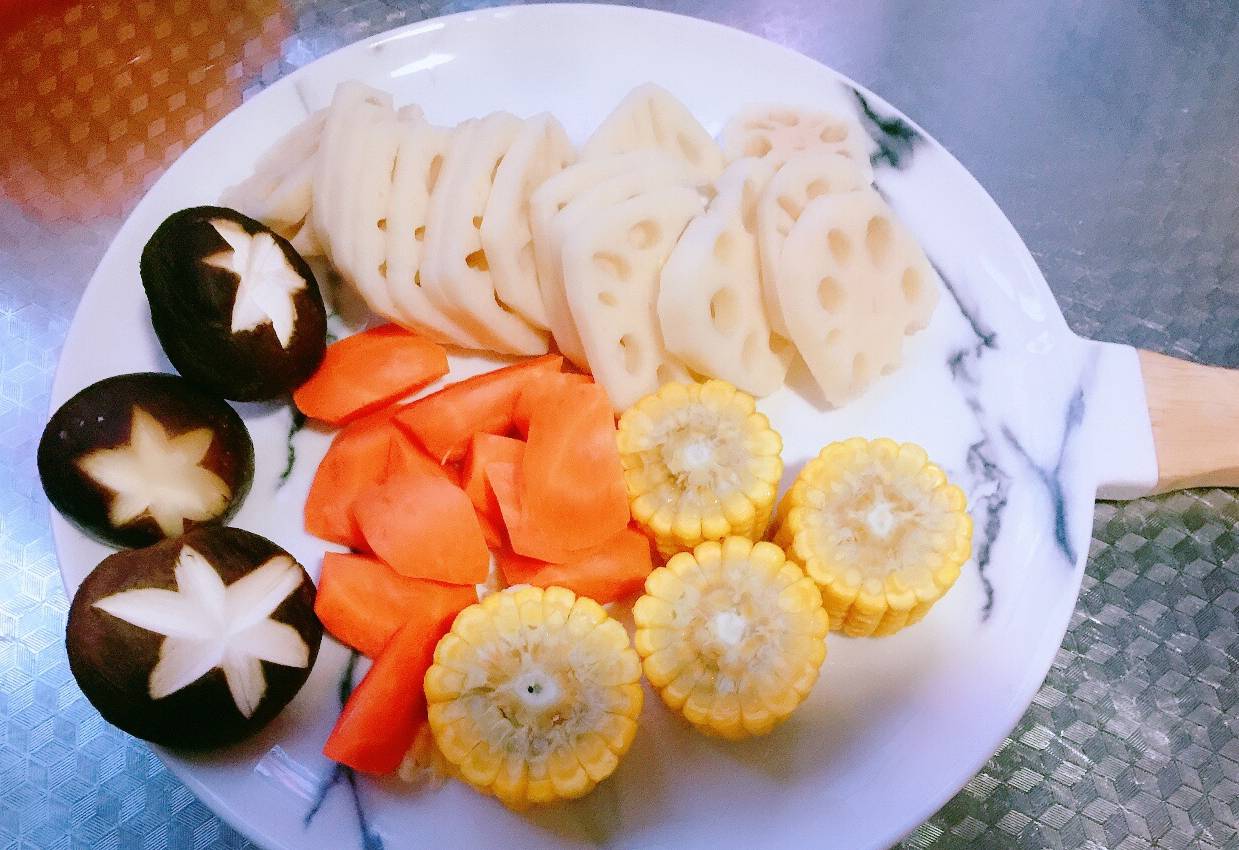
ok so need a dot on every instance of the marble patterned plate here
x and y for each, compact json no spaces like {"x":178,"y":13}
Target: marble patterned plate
{"x":1031,"y":421}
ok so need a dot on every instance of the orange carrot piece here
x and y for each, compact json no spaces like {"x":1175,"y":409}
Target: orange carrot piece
{"x":504,"y":481}
{"x":486,"y":449}
{"x":572,"y":492}
{"x":407,"y":457}
{"x":607,"y":572}
{"x":541,"y":391}
{"x":385,"y":712}
{"x":444,"y":421}
{"x":424,"y":526}
{"x":357,"y":457}
{"x":363,"y":602}
{"x":369,"y":370}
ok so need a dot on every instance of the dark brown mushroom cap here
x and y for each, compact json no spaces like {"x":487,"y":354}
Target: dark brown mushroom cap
{"x":100,"y":417}
{"x":112,"y":659}
{"x":192,"y":303}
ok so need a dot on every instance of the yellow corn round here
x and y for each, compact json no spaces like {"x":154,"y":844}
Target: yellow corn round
{"x":731,"y":636}
{"x":879,"y":529}
{"x":700,"y":463}
{"x":534,"y":695}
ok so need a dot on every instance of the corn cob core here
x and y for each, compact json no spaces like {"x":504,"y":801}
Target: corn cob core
{"x":731,"y":635}
{"x":700,"y":463}
{"x":534,"y":695}
{"x":879,"y":529}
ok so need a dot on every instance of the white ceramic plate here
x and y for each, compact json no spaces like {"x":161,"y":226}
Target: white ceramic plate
{"x":1019,"y":412}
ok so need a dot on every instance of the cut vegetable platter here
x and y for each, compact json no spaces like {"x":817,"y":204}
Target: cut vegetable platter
{"x":1030,"y":421}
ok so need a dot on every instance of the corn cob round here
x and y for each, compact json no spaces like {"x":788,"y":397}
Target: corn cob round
{"x":731,"y":635}
{"x":534,"y":695}
{"x":879,"y":529}
{"x":700,"y":463}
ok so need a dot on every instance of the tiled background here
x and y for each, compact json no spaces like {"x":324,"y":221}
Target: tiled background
{"x":1104,"y":128}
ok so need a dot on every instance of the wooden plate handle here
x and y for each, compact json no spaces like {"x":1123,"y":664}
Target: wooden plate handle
{"x":1195,"y":414}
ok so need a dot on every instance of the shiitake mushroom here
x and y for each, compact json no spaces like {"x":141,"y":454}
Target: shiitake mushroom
{"x":137,"y":458}
{"x":234,"y":305}
{"x":197,"y":642}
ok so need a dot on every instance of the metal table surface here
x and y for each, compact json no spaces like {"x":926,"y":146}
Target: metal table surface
{"x":1104,"y":128}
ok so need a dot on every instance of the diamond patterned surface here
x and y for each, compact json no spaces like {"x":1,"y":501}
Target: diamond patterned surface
{"x":1104,"y":129}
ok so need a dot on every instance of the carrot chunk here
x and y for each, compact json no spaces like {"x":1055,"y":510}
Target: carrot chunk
{"x":572,"y":492}
{"x":504,"y":481}
{"x":368,"y":370}
{"x":384,"y":712}
{"x":486,"y":449}
{"x":407,"y":457}
{"x":542,"y":391}
{"x":445,"y":421}
{"x":424,"y":526}
{"x":607,"y":572}
{"x":357,"y":458}
{"x":363,"y":602}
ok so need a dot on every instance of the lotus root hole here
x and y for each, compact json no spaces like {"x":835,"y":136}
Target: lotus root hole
{"x":417,"y":278}
{"x":632,"y":353}
{"x":381,"y":224}
{"x":791,"y":206}
{"x":724,"y":310}
{"x":786,"y":117}
{"x":691,"y":152}
{"x":495,"y":171}
{"x":878,"y":239}
{"x":432,"y":173}
{"x":612,"y":265}
{"x":834,"y":133}
{"x":608,"y":298}
{"x":477,"y":261}
{"x":829,"y":294}
{"x":840,"y":246}
{"x":748,"y":208}
{"x":477,"y":222}
{"x":834,"y":337}
{"x":749,"y":352}
{"x":817,"y":188}
{"x":911,"y":284}
{"x":860,"y":368}
{"x":888,"y":368}
{"x":758,"y":146}
{"x":665,"y":374}
{"x":725,"y":248}
{"x":419,"y":234}
{"x":383,"y":268}
{"x":643,"y":234}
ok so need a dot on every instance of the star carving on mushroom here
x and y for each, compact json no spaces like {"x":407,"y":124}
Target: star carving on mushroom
{"x":266,"y":282}
{"x":158,"y":476}
{"x":207,"y":625}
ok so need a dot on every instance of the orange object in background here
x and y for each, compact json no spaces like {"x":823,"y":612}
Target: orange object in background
{"x":98,"y":98}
